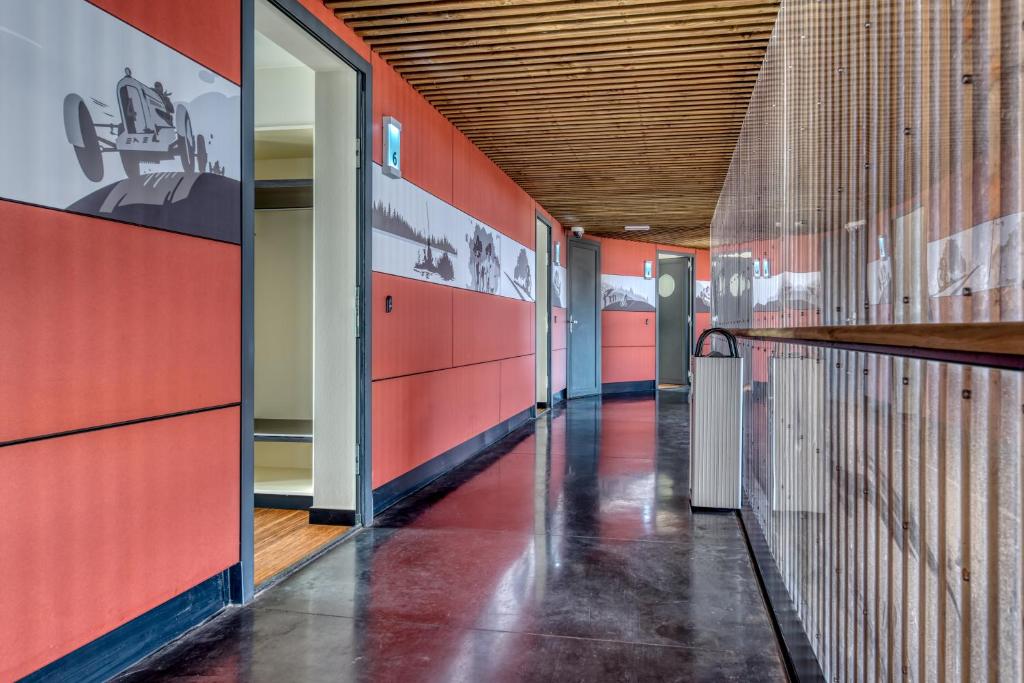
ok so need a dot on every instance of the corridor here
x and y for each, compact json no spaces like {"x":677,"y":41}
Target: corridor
{"x":565,"y":552}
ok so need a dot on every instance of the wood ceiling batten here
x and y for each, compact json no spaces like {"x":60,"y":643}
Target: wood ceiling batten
{"x":608,"y":112}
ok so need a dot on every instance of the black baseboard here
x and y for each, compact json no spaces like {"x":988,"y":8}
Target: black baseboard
{"x":796,"y":648}
{"x":557,"y":398}
{"x":114,"y":652}
{"x":282,"y":501}
{"x":331,"y":516}
{"x":390,"y":493}
{"x":619,"y":388}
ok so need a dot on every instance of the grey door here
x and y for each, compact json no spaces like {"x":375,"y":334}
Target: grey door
{"x":584,"y":318}
{"x":674,"y":301}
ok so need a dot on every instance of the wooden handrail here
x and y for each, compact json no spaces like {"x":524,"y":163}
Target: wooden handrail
{"x":1004,"y":339}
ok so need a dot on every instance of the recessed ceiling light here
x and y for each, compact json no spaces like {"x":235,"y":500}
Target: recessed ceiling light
{"x":637,"y":228}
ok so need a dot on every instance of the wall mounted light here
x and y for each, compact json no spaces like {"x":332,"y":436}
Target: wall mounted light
{"x":392,"y":147}
{"x":648,"y":270}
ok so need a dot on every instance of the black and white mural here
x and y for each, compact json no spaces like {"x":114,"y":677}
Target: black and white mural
{"x":419,"y":236}
{"x":986,"y":256}
{"x":787,"y":290}
{"x":702,"y":296}
{"x":558,"y":278}
{"x":106,"y":121}
{"x":627,"y":293}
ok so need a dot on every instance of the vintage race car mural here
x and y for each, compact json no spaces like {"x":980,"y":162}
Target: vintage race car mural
{"x":152,"y":129}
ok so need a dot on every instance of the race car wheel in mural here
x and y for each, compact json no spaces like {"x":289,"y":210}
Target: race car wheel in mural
{"x":151,"y":130}
{"x":81,"y":133}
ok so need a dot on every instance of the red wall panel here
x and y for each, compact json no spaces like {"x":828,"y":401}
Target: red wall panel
{"x":558,"y":359}
{"x":331,"y":21}
{"x":702,"y":264}
{"x":559,"y":318}
{"x":483,"y":191}
{"x":207,"y":32}
{"x":628,"y":328}
{"x":518,"y":385}
{"x":622,"y":257}
{"x":420,"y":416}
{"x":426,"y":135}
{"x":101,"y":526}
{"x":108,"y":322}
{"x":627,"y":363}
{"x":417,"y":335}
{"x":488,"y":327}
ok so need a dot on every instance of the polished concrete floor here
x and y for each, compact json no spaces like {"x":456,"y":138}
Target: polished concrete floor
{"x":568,"y":552}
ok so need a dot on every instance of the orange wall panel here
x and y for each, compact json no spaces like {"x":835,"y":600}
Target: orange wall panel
{"x":627,"y":363}
{"x":331,"y":21}
{"x":622,"y":257}
{"x":207,"y":32}
{"x":628,"y":328}
{"x":417,"y":335}
{"x":518,"y":385}
{"x":559,"y":327}
{"x":483,"y":191}
{"x":102,"y":526}
{"x":558,"y":359}
{"x":418,"y":417}
{"x":488,"y":327}
{"x":108,"y":322}
{"x":426,"y":135}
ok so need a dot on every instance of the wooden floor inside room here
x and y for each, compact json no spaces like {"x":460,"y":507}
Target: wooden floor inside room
{"x":283,"y":537}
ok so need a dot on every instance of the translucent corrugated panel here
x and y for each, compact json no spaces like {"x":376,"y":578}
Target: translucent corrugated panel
{"x":889,"y":491}
{"x":877,"y":179}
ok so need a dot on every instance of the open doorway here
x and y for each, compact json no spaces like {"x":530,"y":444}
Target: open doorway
{"x":542,"y":309}
{"x":305,"y":284}
{"x":675,"y":320}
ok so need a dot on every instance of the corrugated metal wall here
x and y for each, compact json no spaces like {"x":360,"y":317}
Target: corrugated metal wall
{"x":877,"y":179}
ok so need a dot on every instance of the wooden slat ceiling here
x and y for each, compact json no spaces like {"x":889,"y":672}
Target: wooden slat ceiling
{"x":608,"y":112}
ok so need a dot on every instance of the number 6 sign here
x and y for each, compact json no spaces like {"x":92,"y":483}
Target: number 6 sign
{"x":392,"y":147}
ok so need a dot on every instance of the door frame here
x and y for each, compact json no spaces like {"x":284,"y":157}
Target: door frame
{"x":242,"y":586}
{"x":547,"y":274}
{"x":688,"y":342}
{"x":596,"y":246}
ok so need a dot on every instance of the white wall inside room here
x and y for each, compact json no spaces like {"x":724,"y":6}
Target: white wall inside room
{"x":335,"y":266}
{"x":283,"y":295}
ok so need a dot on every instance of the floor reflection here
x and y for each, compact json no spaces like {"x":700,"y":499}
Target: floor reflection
{"x":567,"y":551}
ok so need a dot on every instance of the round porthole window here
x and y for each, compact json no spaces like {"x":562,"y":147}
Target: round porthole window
{"x":666,"y":285}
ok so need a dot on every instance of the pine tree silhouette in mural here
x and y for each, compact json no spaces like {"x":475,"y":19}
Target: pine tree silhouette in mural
{"x":389,"y":220}
{"x":427,"y":266}
{"x":521,"y":275}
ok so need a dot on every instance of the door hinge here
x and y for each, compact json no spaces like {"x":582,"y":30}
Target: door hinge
{"x":358,"y":312}
{"x":359,"y":153}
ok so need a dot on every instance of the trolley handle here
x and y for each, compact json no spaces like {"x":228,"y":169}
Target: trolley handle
{"x":729,"y":337}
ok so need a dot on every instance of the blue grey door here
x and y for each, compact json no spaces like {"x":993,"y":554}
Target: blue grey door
{"x":674,"y":299}
{"x":584,"y":318}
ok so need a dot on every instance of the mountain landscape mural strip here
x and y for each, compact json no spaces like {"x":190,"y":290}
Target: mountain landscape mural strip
{"x":418,"y":236}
